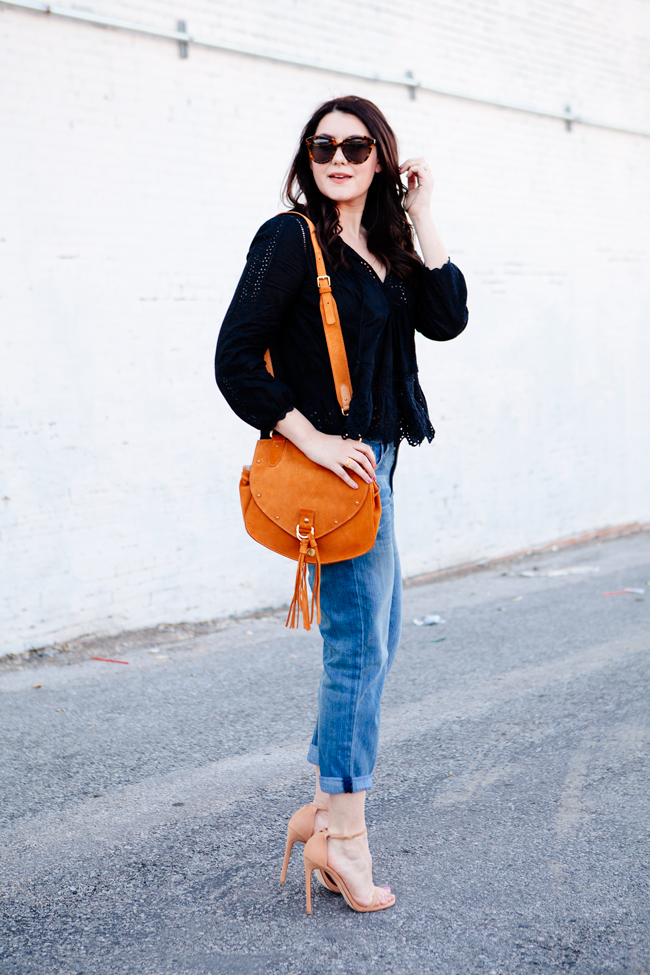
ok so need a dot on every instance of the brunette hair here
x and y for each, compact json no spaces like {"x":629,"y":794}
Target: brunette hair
{"x":389,"y":233}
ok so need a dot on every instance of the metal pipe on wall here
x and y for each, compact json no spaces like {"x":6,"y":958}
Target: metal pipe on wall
{"x":183,"y":38}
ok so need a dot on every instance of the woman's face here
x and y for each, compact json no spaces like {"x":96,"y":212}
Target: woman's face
{"x":340,"y":180}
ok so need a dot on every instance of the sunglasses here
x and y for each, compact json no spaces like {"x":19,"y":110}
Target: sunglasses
{"x":356,"y":149}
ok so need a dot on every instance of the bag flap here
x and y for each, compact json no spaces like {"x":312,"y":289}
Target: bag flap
{"x":283,"y":480}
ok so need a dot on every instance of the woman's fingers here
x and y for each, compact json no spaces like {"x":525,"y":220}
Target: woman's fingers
{"x":419,"y":177}
{"x":341,"y":457}
{"x":362,"y":461}
{"x":361,"y":467}
{"x":420,"y":186}
{"x":343,"y":474}
{"x":417,"y":167}
{"x":368,"y":451}
{"x":366,"y":467}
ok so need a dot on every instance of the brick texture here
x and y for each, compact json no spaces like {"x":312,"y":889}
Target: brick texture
{"x":133,"y":183}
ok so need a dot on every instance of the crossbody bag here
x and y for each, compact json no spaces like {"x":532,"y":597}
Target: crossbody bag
{"x":294,"y":506}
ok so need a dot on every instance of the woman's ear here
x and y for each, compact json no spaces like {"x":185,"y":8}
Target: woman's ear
{"x":378,"y":167}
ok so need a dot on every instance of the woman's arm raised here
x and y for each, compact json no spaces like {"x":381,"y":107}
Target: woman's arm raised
{"x":418,"y":206}
{"x":442,"y":300}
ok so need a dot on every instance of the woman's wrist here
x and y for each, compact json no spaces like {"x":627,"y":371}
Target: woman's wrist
{"x":433,"y":250}
{"x":421,"y":219}
{"x":297,"y":428}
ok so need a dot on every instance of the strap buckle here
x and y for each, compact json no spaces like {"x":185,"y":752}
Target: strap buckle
{"x":323,"y":277}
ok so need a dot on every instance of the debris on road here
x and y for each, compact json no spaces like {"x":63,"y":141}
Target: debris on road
{"x":429,"y":620}
{"x":576,"y":570}
{"x":107,"y":661}
{"x":619,"y":592}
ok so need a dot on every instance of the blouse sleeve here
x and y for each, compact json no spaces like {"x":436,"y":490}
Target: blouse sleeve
{"x":441,"y":309}
{"x":273,"y":276}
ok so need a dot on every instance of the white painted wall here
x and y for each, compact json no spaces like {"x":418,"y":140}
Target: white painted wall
{"x":130,"y":192}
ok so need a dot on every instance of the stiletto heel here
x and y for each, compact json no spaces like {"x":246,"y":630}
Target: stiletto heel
{"x":299,"y":830}
{"x":315,"y":856}
{"x":308,"y":872}
{"x":292,"y":837}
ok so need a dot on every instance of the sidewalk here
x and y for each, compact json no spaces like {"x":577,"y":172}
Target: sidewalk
{"x":145,"y":804}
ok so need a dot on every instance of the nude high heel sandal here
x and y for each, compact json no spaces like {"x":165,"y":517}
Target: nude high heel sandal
{"x":316,"y":859}
{"x":299,"y":830}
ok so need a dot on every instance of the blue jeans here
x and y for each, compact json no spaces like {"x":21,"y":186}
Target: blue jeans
{"x":361,"y":620}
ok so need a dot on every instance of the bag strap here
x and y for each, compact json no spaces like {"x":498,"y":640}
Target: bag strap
{"x":331,"y":325}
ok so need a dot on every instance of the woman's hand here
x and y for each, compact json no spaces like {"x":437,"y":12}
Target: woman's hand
{"x":334,"y":453}
{"x":417,"y":203}
{"x":341,"y":456}
{"x":420,"y":186}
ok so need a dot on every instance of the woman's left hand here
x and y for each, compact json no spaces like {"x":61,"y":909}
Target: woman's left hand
{"x":420,"y":186}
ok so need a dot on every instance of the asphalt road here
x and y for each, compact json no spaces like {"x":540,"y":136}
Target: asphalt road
{"x":144,"y":805}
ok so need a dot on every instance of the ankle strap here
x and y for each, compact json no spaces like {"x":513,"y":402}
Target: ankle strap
{"x":353,"y":836}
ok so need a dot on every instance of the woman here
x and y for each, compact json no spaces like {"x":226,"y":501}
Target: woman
{"x":346,"y":178}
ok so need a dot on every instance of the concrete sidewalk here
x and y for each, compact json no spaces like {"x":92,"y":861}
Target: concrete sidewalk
{"x":145,"y":805}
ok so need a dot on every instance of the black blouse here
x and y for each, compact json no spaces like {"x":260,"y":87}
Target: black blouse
{"x":276,"y":307}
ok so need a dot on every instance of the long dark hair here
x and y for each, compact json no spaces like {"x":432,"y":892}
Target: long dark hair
{"x":388,"y":232}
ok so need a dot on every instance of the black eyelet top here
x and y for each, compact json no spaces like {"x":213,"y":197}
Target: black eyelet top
{"x":276,"y":307}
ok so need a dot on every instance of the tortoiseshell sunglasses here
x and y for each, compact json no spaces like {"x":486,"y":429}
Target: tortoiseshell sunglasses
{"x":356,"y":148}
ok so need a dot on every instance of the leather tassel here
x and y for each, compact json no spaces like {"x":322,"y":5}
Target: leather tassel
{"x":300,"y":601}
{"x":316,"y":593}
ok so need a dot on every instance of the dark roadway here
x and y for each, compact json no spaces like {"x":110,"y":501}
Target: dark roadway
{"x":144,"y":806}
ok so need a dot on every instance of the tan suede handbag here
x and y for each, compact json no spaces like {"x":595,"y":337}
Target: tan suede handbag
{"x":298,"y":508}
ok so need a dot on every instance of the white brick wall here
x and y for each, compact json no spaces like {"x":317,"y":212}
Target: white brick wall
{"x":130,"y":194}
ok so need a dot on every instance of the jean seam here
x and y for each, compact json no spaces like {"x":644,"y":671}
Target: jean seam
{"x":355,"y":711}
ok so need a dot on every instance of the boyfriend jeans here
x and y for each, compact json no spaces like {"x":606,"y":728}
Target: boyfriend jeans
{"x":361,"y":620}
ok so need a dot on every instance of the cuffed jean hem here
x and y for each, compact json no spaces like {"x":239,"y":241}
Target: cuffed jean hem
{"x":334,"y":787}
